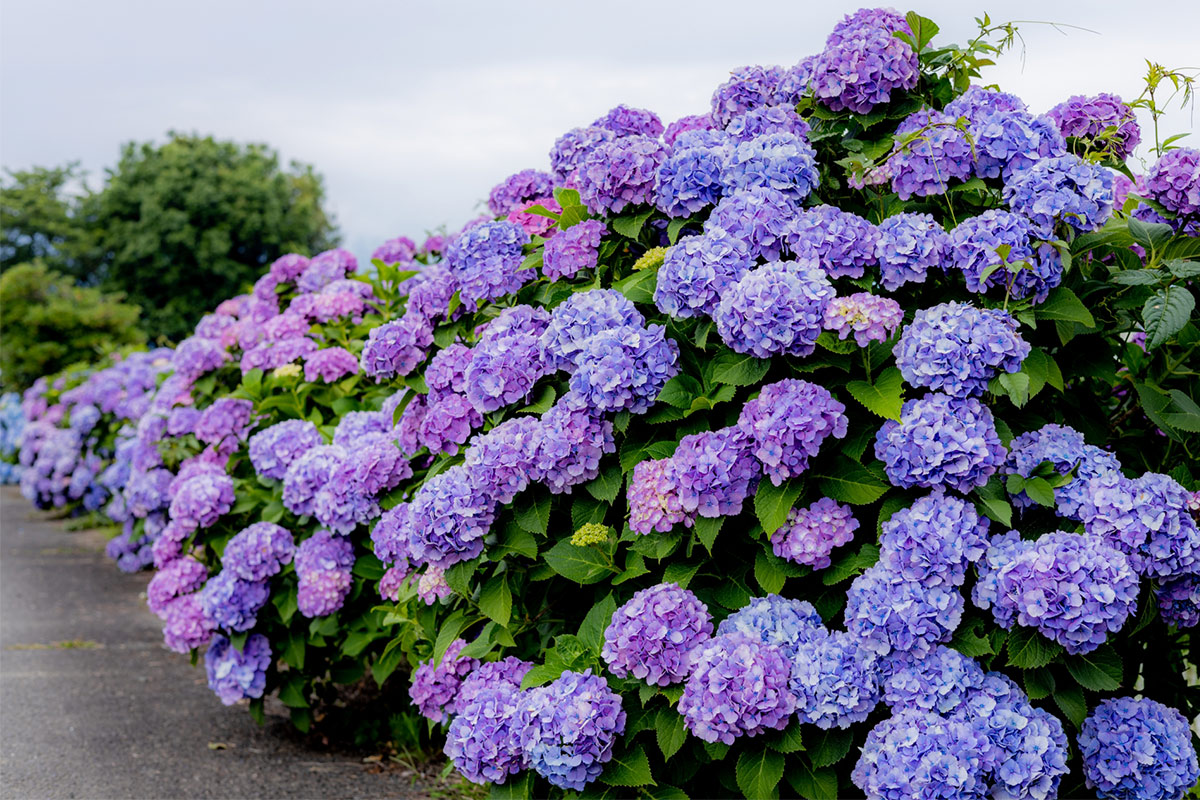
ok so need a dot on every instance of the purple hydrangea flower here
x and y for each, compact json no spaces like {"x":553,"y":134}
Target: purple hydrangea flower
{"x":931,"y":151}
{"x":623,"y":369}
{"x":354,"y":425}
{"x":653,"y":498}
{"x":195,"y":357}
{"x":485,"y":261}
{"x":507,"y":361}
{"x":890,"y":614}
{"x":507,"y":673}
{"x":396,"y":347}
{"x":570,"y":446}
{"x":329,"y":365}
{"x":784,"y":162}
{"x":845,"y":243}
{"x":1008,"y":143}
{"x":766,"y":119}
{"x":916,"y":753}
{"x":864,"y":63}
{"x":972,"y":250}
{"x":273,"y":449}
{"x":449,"y":518}
{"x":776,"y":621}
{"x":869,"y":317}
{"x":694,"y":122}
{"x":447,"y":423}
{"x":323,"y":563}
{"x":181,"y":577}
{"x":568,"y":728}
{"x":580,"y":317}
{"x":941,"y":682}
{"x":748,"y":88}
{"x":690,"y":176}
{"x":1147,"y":519}
{"x":573,"y":250}
{"x":1065,"y":189}
{"x":572,"y":148}
{"x":932,"y":541}
{"x":1137,"y":748}
{"x":1103,"y":123}
{"x":289,"y":267}
{"x":715,"y":471}
{"x":810,"y":534}
{"x":430,"y":293}
{"x":956,"y":348}
{"x":909,"y":246}
{"x":201,"y":499}
{"x":501,"y":461}
{"x":620,"y":173}
{"x":270,"y":355}
{"x":652,"y":636}
{"x":434,"y":689}
{"x":325,"y":268}
{"x":233,"y":603}
{"x":377,"y":465}
{"x":738,"y":687}
{"x":625,"y":121}
{"x":760,"y":217}
{"x":777,"y":308}
{"x":835,"y":682}
{"x":787,"y":423}
{"x":186,"y":625}
{"x":513,"y":191}
{"x":258,"y":551}
{"x":1179,"y":601}
{"x":234,"y":675}
{"x":482,"y":740}
{"x":940,"y":441}
{"x":1066,"y":450}
{"x":1174,"y":183}
{"x":697,"y":270}
{"x":400,"y":250}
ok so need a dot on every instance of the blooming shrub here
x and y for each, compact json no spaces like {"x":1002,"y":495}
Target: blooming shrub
{"x":843,"y":435}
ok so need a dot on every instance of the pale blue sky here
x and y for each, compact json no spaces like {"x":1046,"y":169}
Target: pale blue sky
{"x":412,"y":111}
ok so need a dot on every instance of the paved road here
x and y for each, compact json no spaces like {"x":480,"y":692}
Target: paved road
{"x":92,"y":705}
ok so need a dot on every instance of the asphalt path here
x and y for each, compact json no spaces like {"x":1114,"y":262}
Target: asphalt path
{"x":93,"y":706}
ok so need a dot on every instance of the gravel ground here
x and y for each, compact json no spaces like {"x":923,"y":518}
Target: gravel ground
{"x":93,"y":706}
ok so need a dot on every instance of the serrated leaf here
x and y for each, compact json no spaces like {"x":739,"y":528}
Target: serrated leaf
{"x":629,"y":769}
{"x":517,"y":787}
{"x":1039,"y":683}
{"x":772,"y":503}
{"x":681,"y":574}
{"x":1165,"y":314}
{"x":516,"y":541}
{"x":670,"y":731}
{"x":1070,"y":701}
{"x":789,"y":740}
{"x":849,"y":564}
{"x":1028,"y":649}
{"x":738,"y":369}
{"x":968,"y":641}
{"x":1136,"y":277}
{"x":680,"y":391}
{"x":707,"y":529}
{"x":633,"y":452}
{"x":542,"y":404}
{"x":829,"y":747}
{"x":595,"y":623}
{"x":834,"y":344}
{"x":819,"y":784}
{"x":639,"y":287}
{"x":1100,"y":670}
{"x":495,"y":600}
{"x":1040,"y":491}
{"x":995,"y":508}
{"x":1150,"y":235}
{"x":532,"y":511}
{"x":759,"y":772}
{"x":582,"y":565}
{"x":1063,"y":305}
{"x":1184,"y":269}
{"x":884,"y":397}
{"x":770,"y":578}
{"x":630,"y":225}
{"x":1016,"y":386}
{"x":607,"y":485}
{"x":851,"y":482}
{"x":1155,"y":403}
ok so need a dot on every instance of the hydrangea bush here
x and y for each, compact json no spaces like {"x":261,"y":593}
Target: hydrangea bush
{"x":840,"y":439}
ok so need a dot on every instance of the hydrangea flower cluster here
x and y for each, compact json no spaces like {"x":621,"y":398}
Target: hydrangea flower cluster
{"x":569,"y":252}
{"x":623,"y":369}
{"x":323,"y":563}
{"x":485,"y":261}
{"x":940,"y":441}
{"x":1179,"y":601}
{"x":1137,"y":748}
{"x":917,"y":753}
{"x":513,"y":191}
{"x":581,"y":316}
{"x":1064,"y":189}
{"x":625,"y":121}
{"x":781,"y":161}
{"x":844,"y":242}
{"x":235,"y":675}
{"x":1026,"y":271}
{"x":259,"y":551}
{"x":434,"y":689}
{"x":834,"y":681}
{"x":1174,"y":183}
{"x":776,"y":621}
{"x":1103,"y":123}
{"x":1066,"y":450}
{"x":714,"y":472}
{"x":760,"y":217}
{"x":931,"y":151}
{"x":956,"y":348}
{"x":1147,"y":519}
{"x":620,"y":173}
{"x":739,"y":686}
{"x":810,"y":534}
{"x":697,"y":270}
{"x":652,"y":636}
{"x":690,"y":177}
{"x":863,"y":62}
{"x":572,"y":148}
{"x":653,"y":498}
{"x":896,"y":617}
{"x":869,"y":317}
{"x":778,"y":308}
{"x":482,"y":739}
{"x":748,"y":88}
{"x":932,"y":541}
{"x":233,"y":603}
{"x":396,"y":347}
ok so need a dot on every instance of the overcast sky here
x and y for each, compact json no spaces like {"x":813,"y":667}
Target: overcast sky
{"x":412,"y":111}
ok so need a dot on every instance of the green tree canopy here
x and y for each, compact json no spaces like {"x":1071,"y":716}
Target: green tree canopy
{"x":40,"y":219}
{"x":47,"y":322}
{"x":195,"y":219}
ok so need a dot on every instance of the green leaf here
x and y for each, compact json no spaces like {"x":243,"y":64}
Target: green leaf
{"x":1065,"y":306}
{"x":455,"y":624}
{"x":788,"y":740}
{"x":923,"y":29}
{"x":566,"y":197}
{"x":768,"y":574}
{"x":772,"y":503}
{"x":595,"y":623}
{"x":545,"y":400}
{"x":737,"y":369}
{"x":707,"y":529}
{"x":572,"y":215}
{"x":1150,"y":235}
{"x":458,"y":577}
{"x":759,"y":772}
{"x":633,"y":452}
{"x":820,"y":784}
{"x":968,"y":641}
{"x":829,"y":747}
{"x":293,"y":651}
{"x":1165,"y":314}
{"x":1028,"y":649}
{"x":495,"y":600}
{"x":387,"y":663}
{"x":1039,"y":683}
{"x":849,"y":564}
{"x":516,"y":541}
{"x":639,"y":286}
{"x":834,"y":344}
{"x":851,"y":482}
{"x":1155,"y":403}
{"x":629,"y":769}
{"x":1040,"y":491}
{"x":291,"y":692}
{"x":680,"y":573}
{"x":992,"y":502}
{"x":517,"y":787}
{"x":1070,"y":700}
{"x":630,"y":225}
{"x":1016,"y":386}
{"x":1136,"y":277}
{"x":1184,"y":269}
{"x":670,"y":731}
{"x":583,"y":565}
{"x":285,"y":602}
{"x":1099,"y":670}
{"x":607,"y":485}
{"x":532,"y":511}
{"x":883,"y":398}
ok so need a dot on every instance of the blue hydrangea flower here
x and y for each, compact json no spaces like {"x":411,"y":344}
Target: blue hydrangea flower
{"x":1065,"y":448}
{"x":1147,"y":519}
{"x":940,"y":441}
{"x":869,"y":317}
{"x":835,"y":682}
{"x":507,"y":361}
{"x":956,"y":348}
{"x":777,"y":621}
{"x":892,"y":615}
{"x":760,"y":217}
{"x":449,"y":518}
{"x":1102,"y":123}
{"x":784,"y":162}
{"x":714,"y":471}
{"x":1137,"y":749}
{"x":778,"y":308}
{"x":766,"y":119}
{"x":652,"y":636}
{"x":1174,"y":183}
{"x":518,"y":189}
{"x":507,"y":673}
{"x":234,"y":675}
{"x":323,"y":565}
{"x":1065,"y":190}
{"x":501,"y":461}
{"x":690,"y":176}
{"x":748,"y":88}
{"x":653,"y":498}
{"x":1007,"y":143}
{"x":581,"y":316}
{"x":845,"y":243}
{"x":482,"y":740}
{"x":620,"y":173}
{"x":569,"y":252}
{"x":485,"y":261}
{"x":810,"y":534}
{"x":396,"y":347}
{"x":933,"y":540}
{"x":1179,"y":601}
{"x":625,"y":121}
{"x":623,"y":369}
{"x":570,"y":445}
{"x":931,"y":151}
{"x":973,"y":251}
{"x":738,"y":687}
{"x":909,"y":246}
{"x":697,"y":270}
{"x":863,"y":62}
{"x":787,"y":423}
{"x":258,"y":551}
{"x":570,"y":150}
{"x":917,"y":754}
{"x":233,"y":603}
{"x":940,"y":682}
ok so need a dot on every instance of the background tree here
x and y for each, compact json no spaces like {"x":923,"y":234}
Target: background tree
{"x":40,"y":219}
{"x":180,"y":224}
{"x":47,"y":322}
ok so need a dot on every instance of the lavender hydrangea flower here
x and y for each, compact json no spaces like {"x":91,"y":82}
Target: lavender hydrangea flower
{"x":354,"y":425}
{"x":625,"y":121}
{"x":273,"y":449}
{"x":623,"y":369}
{"x":941,"y":682}
{"x":891,"y":615}
{"x":182,"y":576}
{"x":377,"y":465}
{"x":863,"y":64}
{"x":1074,"y":588}
{"x":508,"y":360}
{"x":226,"y":417}
{"x":776,"y":621}
{"x":931,"y":151}
{"x":234,"y":675}
{"x":869,"y":317}
{"x":233,"y":603}
{"x":329,"y":365}
{"x":434,"y":689}
{"x":652,"y":636}
{"x":738,"y":687}
{"x":569,"y":252}
{"x":568,"y":728}
{"x":1103,"y":123}
{"x":766,"y":119}
{"x":956,"y":348}
{"x":697,"y":270}
{"x":400,"y":250}
{"x":653,"y":498}
{"x":482,"y":739}
{"x":777,"y":308}
{"x":933,"y":540}
{"x":1179,"y":601}
{"x":507,"y":673}
{"x":690,"y":176}
{"x":787,"y":423}
{"x":485,"y":262}
{"x":715,"y":472}
{"x":396,"y":347}
{"x":288,"y":267}
{"x":1066,"y":450}
{"x":784,"y":162}
{"x":1137,"y":748}
{"x":760,"y":217}
{"x":940,"y":441}
{"x":449,"y":519}
{"x":916,"y":753}
{"x":909,"y":246}
{"x":323,"y":563}
{"x":694,"y":122}
{"x":258,"y":551}
{"x":501,"y":461}
{"x":274,"y":354}
{"x":325,"y":268}
{"x":448,"y":423}
{"x":570,"y":446}
{"x":1147,"y":519}
{"x":202,"y":499}
{"x":810,"y":534}
{"x":195,"y":357}
{"x":620,"y":173}
{"x":835,"y":682}
{"x":581,"y":316}
{"x":1065,"y":189}
{"x":1009,"y":143}
{"x":186,"y":625}
{"x":1174,"y":183}
{"x":973,"y":250}
{"x":430,"y":294}
{"x":845,"y":243}
{"x":526,"y":185}
{"x":572,"y":148}
{"x":748,"y":88}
